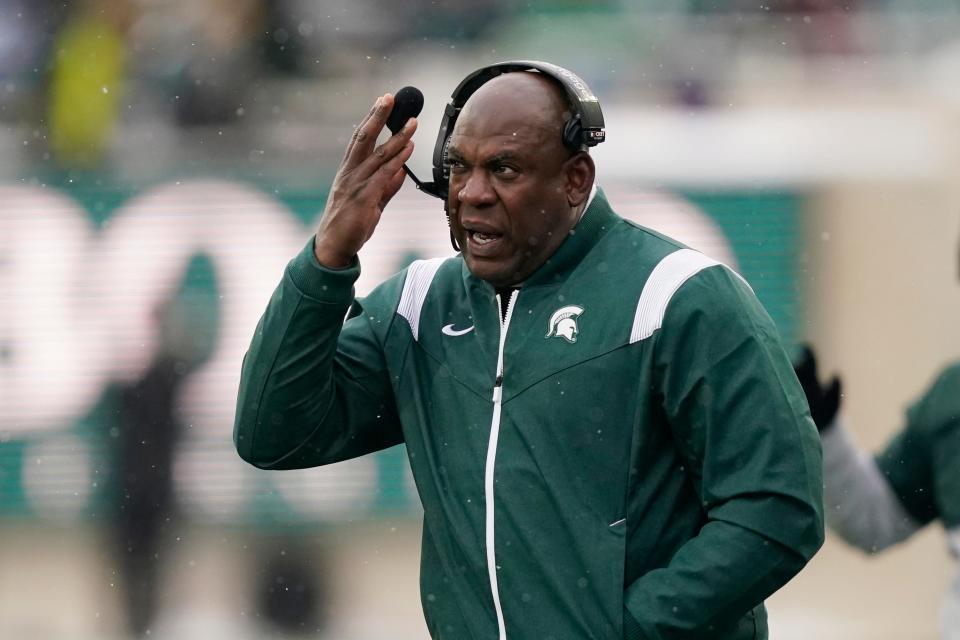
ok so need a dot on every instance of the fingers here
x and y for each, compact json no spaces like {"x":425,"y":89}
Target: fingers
{"x":353,"y":137}
{"x":388,"y":178}
{"x":389,"y":168}
{"x":393,"y":185}
{"x":365,"y":135}
{"x":384,"y":154}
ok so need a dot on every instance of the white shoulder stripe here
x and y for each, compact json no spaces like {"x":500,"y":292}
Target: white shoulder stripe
{"x":420,"y":274}
{"x":664,"y":281}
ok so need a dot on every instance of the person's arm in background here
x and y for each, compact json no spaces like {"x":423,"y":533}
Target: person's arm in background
{"x":739,"y":419}
{"x":310,"y":393}
{"x":860,"y":503}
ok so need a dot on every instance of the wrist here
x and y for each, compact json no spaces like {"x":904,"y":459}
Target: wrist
{"x":330,"y":257}
{"x":830,"y":426}
{"x":316,"y":281}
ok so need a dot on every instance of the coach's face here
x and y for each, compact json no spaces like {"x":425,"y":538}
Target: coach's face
{"x":515,"y":191}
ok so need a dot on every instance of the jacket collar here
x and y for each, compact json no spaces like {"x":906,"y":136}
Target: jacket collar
{"x":597,"y":219}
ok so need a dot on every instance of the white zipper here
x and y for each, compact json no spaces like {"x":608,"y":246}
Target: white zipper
{"x":491,"y":462}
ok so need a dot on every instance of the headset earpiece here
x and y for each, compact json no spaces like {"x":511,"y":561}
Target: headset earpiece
{"x":573,"y":134}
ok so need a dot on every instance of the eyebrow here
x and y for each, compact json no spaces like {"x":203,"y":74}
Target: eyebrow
{"x":503,"y":156}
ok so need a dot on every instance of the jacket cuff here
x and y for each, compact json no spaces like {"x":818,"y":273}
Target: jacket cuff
{"x":631,"y":628}
{"x":312,"y":279}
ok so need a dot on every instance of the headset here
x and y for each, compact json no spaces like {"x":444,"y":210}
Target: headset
{"x":582,"y":130}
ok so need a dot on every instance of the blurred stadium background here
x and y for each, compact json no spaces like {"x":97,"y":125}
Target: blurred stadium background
{"x":161,"y":160}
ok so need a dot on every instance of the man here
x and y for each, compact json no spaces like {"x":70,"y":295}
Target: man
{"x":606,"y":435}
{"x":875,"y":502}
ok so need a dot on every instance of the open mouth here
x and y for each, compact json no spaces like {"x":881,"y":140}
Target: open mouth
{"x":484,"y":244}
{"x":481,"y":238}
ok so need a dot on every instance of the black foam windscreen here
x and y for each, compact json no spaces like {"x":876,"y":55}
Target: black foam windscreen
{"x":407,"y":103}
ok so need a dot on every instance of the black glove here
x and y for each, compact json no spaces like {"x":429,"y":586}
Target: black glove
{"x":824,"y":400}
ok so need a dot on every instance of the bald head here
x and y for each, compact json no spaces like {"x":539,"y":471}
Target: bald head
{"x":527,"y":100}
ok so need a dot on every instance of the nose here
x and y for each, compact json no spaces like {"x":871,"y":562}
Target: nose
{"x":476,"y":191}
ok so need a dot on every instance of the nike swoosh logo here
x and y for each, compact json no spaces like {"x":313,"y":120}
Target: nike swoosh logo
{"x":450,"y":331}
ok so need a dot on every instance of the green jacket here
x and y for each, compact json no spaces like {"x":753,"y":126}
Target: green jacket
{"x":628,"y":455}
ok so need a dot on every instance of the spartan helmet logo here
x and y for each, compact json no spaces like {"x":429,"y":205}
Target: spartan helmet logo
{"x":563,"y":323}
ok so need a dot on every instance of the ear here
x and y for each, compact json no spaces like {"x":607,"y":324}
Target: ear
{"x":579,"y":172}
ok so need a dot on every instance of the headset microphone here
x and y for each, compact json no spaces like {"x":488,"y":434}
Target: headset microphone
{"x":407,"y":103}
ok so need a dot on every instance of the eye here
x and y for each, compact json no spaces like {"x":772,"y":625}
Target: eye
{"x":453,"y":165}
{"x":505,"y":170}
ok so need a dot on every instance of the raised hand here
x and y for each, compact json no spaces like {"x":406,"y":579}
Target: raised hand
{"x":368,"y":178}
{"x":824,"y":399}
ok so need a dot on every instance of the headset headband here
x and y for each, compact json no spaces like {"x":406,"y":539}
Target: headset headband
{"x":584,"y":128}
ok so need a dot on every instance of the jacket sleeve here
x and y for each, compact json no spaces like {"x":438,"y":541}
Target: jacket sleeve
{"x":314,"y":389}
{"x":874,"y":502}
{"x":861,"y":506}
{"x":740,"y":421}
